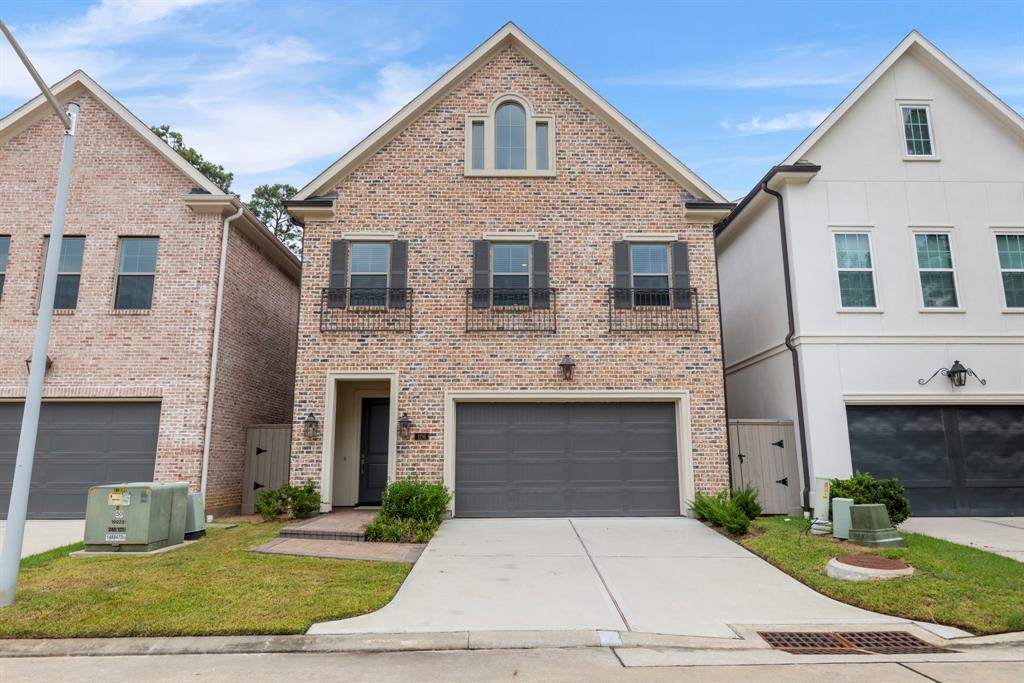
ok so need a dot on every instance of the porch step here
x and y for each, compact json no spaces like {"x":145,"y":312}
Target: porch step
{"x":343,"y":524}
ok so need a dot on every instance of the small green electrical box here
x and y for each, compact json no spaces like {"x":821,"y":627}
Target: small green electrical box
{"x":136,"y":517}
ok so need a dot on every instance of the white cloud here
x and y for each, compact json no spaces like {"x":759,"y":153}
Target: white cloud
{"x":790,"y":121}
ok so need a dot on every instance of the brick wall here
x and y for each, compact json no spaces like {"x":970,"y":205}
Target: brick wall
{"x":255,"y":374}
{"x":604,"y":188}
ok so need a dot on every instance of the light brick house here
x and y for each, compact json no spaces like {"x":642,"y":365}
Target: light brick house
{"x":456,"y":256}
{"x":149,"y":289}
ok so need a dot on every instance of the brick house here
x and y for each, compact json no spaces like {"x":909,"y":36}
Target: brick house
{"x":176,"y":311}
{"x":505,"y":224}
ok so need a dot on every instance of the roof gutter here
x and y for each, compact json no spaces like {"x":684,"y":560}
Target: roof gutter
{"x":225,"y":233}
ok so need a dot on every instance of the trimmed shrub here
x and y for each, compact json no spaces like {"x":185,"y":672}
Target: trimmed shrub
{"x":746,"y":500}
{"x":721,"y":510}
{"x":301,"y":502}
{"x":418,"y":500}
{"x":390,"y":530}
{"x":733,"y":519}
{"x":272,"y":504}
{"x":304,"y":501}
{"x":865,"y":489}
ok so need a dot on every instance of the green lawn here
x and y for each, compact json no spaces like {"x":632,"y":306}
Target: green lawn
{"x":213,"y":587}
{"x":954,"y":584}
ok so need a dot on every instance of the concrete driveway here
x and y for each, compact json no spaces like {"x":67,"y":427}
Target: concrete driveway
{"x":45,"y":534}
{"x":652,"y":575}
{"x":1000,"y":535}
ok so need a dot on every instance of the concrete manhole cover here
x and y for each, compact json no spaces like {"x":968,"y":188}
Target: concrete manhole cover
{"x":866,"y":567}
{"x":872,"y":562}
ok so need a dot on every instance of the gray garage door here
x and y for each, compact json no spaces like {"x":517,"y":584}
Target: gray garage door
{"x":79,"y":445}
{"x":954,"y":460}
{"x":562,"y":459}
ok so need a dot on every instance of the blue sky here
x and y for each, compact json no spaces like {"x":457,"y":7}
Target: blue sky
{"x":277,"y":91}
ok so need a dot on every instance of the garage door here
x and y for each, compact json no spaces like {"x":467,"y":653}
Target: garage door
{"x":79,"y":445}
{"x":954,"y":460}
{"x":562,"y":459}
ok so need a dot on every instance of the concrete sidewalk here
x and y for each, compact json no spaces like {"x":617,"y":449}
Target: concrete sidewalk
{"x":1000,"y":535}
{"x":45,"y":534}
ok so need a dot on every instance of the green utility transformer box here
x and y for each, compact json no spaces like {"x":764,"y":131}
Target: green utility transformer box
{"x":135,"y":517}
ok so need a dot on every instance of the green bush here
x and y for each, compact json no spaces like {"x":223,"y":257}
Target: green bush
{"x":301,"y":502}
{"x":746,"y":500}
{"x":390,"y":530}
{"x":272,"y":504}
{"x":864,"y":489}
{"x":721,"y":510}
{"x":304,"y":501}
{"x":416,"y":500}
{"x":733,"y":519}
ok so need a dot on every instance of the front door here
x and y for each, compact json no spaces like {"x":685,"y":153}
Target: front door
{"x":373,"y":450}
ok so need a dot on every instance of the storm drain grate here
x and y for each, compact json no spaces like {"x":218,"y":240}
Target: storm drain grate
{"x":849,"y":643}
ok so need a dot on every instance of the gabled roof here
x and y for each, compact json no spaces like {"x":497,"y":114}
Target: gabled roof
{"x":509,"y":34}
{"x":920,"y":46}
{"x":79,"y":82}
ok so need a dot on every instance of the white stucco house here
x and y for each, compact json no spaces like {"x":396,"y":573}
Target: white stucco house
{"x":886,"y":248}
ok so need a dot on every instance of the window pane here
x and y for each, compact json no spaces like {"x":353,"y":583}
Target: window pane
{"x":2,"y":278}
{"x":852,"y":251}
{"x":478,"y":144}
{"x":134,"y":292}
{"x":511,"y":258}
{"x":933,"y":251}
{"x":915,"y":129}
{"x":856,"y":289}
{"x":938,"y":289}
{"x":369,"y":257}
{"x":369,"y":290}
{"x":5,"y":247}
{"x":71,"y":249}
{"x":1013,"y":285}
{"x":1011,"y":251}
{"x":511,"y":290}
{"x":651,"y":290}
{"x":66,"y":295}
{"x":542,"y":146}
{"x":650,"y":258}
{"x":510,"y":137}
{"x":650,"y":281}
{"x":366,"y":281}
{"x":138,"y":255}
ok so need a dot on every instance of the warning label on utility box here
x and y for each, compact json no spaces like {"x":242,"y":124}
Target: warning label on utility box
{"x":119,"y":497}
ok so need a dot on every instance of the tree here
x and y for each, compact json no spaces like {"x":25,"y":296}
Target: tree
{"x":215,"y":172}
{"x":267,"y":204}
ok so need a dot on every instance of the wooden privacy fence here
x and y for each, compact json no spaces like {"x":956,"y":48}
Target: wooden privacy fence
{"x":764,"y":453}
{"x":268,"y":451}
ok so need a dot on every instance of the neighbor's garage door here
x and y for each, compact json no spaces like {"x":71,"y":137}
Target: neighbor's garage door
{"x":79,"y":445}
{"x":954,"y":460}
{"x":562,"y":459}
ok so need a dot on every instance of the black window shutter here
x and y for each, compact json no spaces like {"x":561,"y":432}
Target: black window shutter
{"x":681,"y":274}
{"x":622,"y":272}
{"x":540,"y":280}
{"x":339,"y":274}
{"x":398,"y":280}
{"x":481,"y":273}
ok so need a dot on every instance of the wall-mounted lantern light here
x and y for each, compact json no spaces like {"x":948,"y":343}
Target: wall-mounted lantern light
{"x":567,"y":365}
{"x":404,"y":426}
{"x":956,"y":373}
{"x":28,"y":364}
{"x":309,"y":425}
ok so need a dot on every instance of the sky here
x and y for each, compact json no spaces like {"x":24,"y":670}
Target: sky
{"x":277,"y":91}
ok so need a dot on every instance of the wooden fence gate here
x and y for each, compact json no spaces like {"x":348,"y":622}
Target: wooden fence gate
{"x":763,"y":453}
{"x":268,"y":451}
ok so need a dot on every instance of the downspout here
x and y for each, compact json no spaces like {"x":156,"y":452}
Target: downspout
{"x":225,"y":233}
{"x":806,"y":493}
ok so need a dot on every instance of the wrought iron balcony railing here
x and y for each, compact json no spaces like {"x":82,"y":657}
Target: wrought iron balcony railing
{"x":512,"y":310}
{"x":653,"y":310}
{"x":366,"y":309}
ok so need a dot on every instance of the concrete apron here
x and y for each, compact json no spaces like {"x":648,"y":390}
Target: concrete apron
{"x":670,"y":576}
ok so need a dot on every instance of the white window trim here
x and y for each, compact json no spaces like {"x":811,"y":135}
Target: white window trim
{"x":917,"y":104}
{"x":532,"y":120}
{"x":365,"y":236}
{"x":959,"y":308}
{"x":528,"y":273}
{"x":855,"y":230}
{"x":510,"y":236}
{"x":996,"y":231}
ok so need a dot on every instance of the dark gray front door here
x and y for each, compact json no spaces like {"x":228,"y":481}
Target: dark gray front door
{"x":373,"y":450}
{"x":79,"y":445}
{"x":954,"y":460}
{"x":565,"y":459}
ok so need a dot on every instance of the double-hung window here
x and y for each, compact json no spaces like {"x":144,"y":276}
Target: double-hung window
{"x":1010,"y":248}
{"x":855,"y":269}
{"x":5,"y":248}
{"x":510,"y":274}
{"x":935,"y":270}
{"x":510,"y":140}
{"x":650,"y":276}
{"x":917,"y":131}
{"x":136,"y":273}
{"x":69,"y":272}
{"x":369,"y":277}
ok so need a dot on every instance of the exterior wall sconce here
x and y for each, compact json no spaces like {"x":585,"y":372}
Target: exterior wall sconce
{"x":956,"y":373}
{"x":28,"y":364}
{"x":309,"y":426}
{"x":404,"y":426}
{"x":567,"y":365}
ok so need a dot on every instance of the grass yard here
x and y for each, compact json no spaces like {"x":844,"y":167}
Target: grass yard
{"x":954,"y":584}
{"x":213,"y":587}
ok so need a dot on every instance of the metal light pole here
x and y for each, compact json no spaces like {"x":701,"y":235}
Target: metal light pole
{"x":10,"y":555}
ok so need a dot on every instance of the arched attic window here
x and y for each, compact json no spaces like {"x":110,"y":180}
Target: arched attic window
{"x":510,"y":140}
